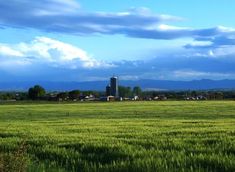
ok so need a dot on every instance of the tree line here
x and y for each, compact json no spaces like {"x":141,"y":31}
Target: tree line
{"x":37,"y":92}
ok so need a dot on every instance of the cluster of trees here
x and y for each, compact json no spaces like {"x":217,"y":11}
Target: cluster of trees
{"x":181,"y":95}
{"x":39,"y":93}
{"x":36,"y":92}
{"x":13,"y":96}
{"x":77,"y":94}
{"x":128,"y":92}
{"x":176,"y":95}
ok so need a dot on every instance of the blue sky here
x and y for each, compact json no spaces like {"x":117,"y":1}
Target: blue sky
{"x":77,"y":40}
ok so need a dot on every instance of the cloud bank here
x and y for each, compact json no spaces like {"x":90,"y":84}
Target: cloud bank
{"x":65,"y":16}
{"x":48,"y":59}
{"x":210,"y":53}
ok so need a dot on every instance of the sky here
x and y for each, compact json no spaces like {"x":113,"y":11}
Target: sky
{"x":87,"y":40}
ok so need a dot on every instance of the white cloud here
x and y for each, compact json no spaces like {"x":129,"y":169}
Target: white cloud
{"x":165,"y":27}
{"x":191,"y":74}
{"x":200,"y":43}
{"x":8,"y":51}
{"x":225,"y":29}
{"x":211,"y":53}
{"x":52,"y":52}
{"x":129,"y":77}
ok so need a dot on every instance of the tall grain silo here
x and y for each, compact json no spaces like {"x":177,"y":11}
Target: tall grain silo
{"x":108,"y":90}
{"x":114,"y":86}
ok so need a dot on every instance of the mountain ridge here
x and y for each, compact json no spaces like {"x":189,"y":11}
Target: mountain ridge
{"x":145,"y":84}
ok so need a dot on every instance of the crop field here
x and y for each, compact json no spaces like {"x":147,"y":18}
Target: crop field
{"x":118,"y":136}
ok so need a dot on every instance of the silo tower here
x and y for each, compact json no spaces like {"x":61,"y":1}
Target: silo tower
{"x":114,"y":86}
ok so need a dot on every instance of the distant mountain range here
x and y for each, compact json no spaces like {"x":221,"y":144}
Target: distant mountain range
{"x":204,"y":84}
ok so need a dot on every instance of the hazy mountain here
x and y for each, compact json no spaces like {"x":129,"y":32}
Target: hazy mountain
{"x":144,"y":84}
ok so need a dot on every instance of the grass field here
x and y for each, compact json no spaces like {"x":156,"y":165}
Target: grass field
{"x":121,"y":136}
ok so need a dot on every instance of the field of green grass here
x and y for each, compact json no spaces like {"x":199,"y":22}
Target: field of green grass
{"x":119,"y":136}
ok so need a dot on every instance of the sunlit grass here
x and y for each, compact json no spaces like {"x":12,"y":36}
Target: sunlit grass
{"x":123,"y":136}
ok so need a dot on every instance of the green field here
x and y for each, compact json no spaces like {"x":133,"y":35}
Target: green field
{"x":120,"y":136}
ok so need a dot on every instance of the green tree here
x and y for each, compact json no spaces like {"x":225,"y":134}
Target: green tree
{"x":75,"y":94}
{"x":194,"y":94}
{"x":62,"y":96}
{"x":137,"y":91}
{"x":219,"y":95}
{"x":36,"y":92}
{"x":124,"y":91}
